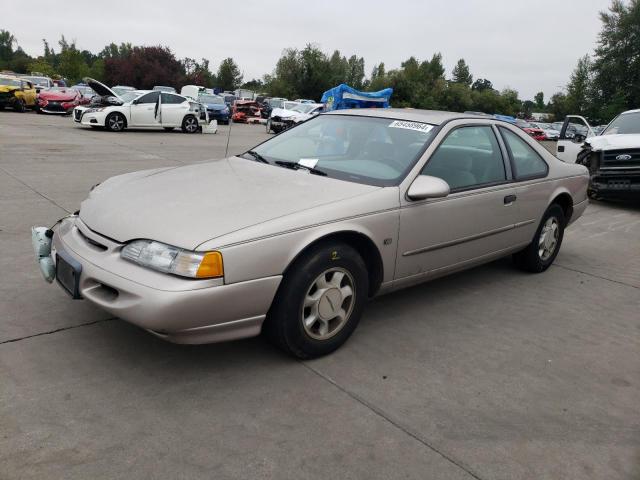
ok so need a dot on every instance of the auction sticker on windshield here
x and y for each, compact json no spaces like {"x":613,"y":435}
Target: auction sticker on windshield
{"x":420,"y":127}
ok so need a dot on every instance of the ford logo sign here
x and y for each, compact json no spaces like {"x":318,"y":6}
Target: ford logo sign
{"x":623,"y":157}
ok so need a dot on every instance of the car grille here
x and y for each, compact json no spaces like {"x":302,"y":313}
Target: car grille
{"x":621,"y":159}
{"x":54,"y":107}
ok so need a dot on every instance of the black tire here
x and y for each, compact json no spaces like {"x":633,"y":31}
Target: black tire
{"x":190,"y":124}
{"x":115,"y":122}
{"x":531,"y":259}
{"x":284,"y":325}
{"x":168,"y":129}
{"x":19,"y":106}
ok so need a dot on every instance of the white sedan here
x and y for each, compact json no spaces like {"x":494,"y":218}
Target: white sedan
{"x":153,"y":109}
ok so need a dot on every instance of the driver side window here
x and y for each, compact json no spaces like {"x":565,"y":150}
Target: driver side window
{"x":469,"y":157}
{"x":151,"y":97}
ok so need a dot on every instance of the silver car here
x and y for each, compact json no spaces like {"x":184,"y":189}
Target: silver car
{"x":294,"y":236}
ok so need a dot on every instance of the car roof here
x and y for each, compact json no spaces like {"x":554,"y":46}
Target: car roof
{"x":433,"y":117}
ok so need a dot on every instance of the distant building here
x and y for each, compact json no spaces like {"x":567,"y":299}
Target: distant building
{"x":542,"y":117}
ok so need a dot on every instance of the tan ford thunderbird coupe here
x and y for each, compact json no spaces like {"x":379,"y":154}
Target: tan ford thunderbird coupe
{"x":294,"y":236}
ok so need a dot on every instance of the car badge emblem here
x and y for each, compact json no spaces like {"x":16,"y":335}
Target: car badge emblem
{"x":623,"y":157}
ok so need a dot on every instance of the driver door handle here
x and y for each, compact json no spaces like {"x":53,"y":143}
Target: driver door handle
{"x":509,"y":199}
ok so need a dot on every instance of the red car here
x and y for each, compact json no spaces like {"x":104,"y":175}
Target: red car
{"x":532,"y":131}
{"x":60,"y":100}
{"x":246,"y":111}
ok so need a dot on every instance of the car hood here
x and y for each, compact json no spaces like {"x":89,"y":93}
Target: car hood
{"x":284,"y":113}
{"x":69,"y":96}
{"x":100,"y":88}
{"x":8,"y":88}
{"x":613,"y":142}
{"x":186,"y":206}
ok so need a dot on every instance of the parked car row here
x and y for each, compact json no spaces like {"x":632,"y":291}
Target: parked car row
{"x":21,"y":93}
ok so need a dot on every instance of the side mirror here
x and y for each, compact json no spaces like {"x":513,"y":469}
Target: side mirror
{"x":425,"y":186}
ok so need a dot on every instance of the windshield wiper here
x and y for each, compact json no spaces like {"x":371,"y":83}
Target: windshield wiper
{"x":256,"y":156}
{"x":297,"y":166}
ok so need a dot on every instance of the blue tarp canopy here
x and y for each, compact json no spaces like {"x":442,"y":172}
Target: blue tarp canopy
{"x":343,"y":96}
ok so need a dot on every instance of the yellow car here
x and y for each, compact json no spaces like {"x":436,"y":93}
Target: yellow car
{"x":16,"y":93}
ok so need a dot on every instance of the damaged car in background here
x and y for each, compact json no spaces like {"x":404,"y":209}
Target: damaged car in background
{"x":246,"y":111}
{"x":16,"y":93}
{"x":613,"y":157}
{"x":58,"y":100}
{"x":293,"y":113}
{"x":293,"y":236}
{"x":152,"y":109}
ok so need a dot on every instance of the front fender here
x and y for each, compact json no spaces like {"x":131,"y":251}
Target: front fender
{"x":272,"y":255}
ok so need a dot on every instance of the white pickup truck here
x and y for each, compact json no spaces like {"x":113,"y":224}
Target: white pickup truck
{"x":613,"y":157}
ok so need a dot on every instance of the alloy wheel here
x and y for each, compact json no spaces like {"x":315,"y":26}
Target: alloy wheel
{"x":328,"y":303}
{"x":116,"y":123}
{"x":548,"y":240}
{"x":190,"y":124}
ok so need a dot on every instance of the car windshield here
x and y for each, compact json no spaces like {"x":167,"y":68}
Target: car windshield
{"x":303,"y":108}
{"x":289,"y":105}
{"x":276,"y":103}
{"x":623,"y":124}
{"x":40,"y":81}
{"x":211,"y":99}
{"x":370,"y":150}
{"x":12,"y":82}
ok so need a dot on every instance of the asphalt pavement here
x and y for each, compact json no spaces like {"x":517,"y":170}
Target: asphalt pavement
{"x":488,"y":374}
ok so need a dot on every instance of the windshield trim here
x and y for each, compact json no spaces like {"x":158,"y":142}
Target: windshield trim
{"x":375,"y":182}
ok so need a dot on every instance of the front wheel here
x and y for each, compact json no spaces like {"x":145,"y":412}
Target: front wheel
{"x":190,"y":124}
{"x":116,"y":122}
{"x":20,"y":106}
{"x":544,"y":247}
{"x":320,"y":301}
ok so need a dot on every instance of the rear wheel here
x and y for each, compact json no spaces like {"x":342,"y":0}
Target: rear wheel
{"x":190,"y":124}
{"x":115,"y":122}
{"x":320,"y":301}
{"x":544,"y":247}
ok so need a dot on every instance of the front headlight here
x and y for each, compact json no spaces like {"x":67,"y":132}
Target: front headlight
{"x":225,"y":110}
{"x":174,"y":260}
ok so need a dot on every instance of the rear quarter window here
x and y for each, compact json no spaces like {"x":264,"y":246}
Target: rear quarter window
{"x":526,"y":162}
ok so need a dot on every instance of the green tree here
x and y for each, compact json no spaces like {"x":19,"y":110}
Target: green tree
{"x":579,"y":87}
{"x":229,"y":76}
{"x":616,"y":64}
{"x":461,"y":74}
{"x":71,"y":62}
{"x":482,"y":84}
{"x":355,"y":72}
{"x":7,"y":41}
{"x":539,"y":101}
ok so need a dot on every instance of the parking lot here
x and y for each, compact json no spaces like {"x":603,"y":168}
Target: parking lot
{"x":488,"y":374}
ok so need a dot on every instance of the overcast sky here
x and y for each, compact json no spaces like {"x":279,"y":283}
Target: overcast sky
{"x":526,"y":45}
